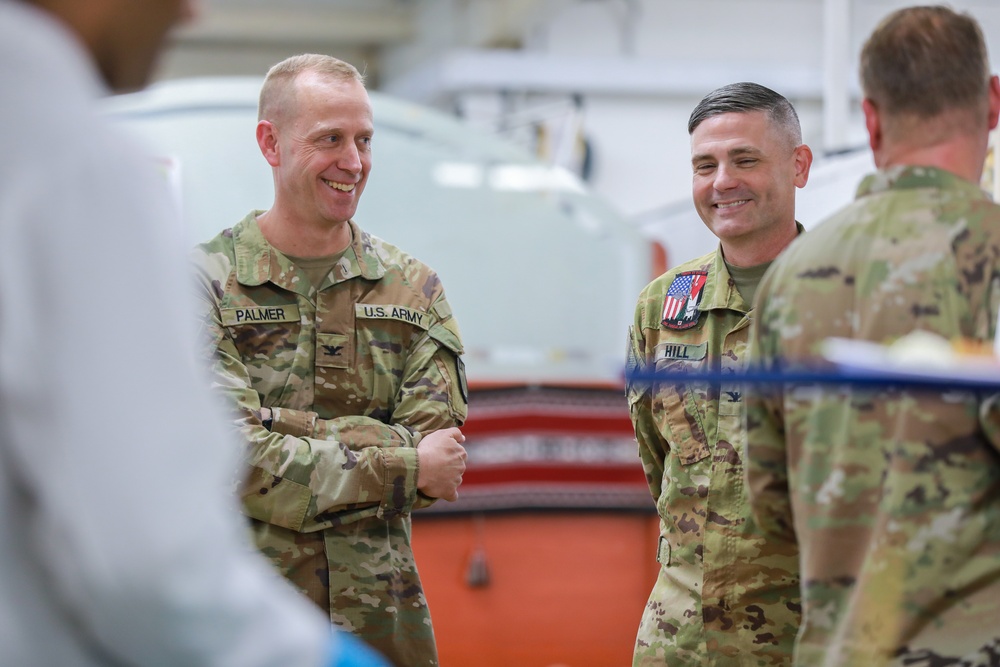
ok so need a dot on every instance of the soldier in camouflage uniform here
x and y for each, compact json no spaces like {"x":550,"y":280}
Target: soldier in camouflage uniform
{"x":893,"y":494}
{"x":342,"y":357}
{"x":724,"y":595}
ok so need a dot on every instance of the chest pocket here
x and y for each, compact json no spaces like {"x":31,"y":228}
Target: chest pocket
{"x":262,"y":334}
{"x":385,"y":334}
{"x":266,"y":338}
{"x":681,"y":407}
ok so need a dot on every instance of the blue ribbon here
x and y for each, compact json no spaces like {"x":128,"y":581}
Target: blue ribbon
{"x":826,"y":376}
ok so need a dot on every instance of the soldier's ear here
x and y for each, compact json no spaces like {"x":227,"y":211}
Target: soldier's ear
{"x":994,"y":97}
{"x":803,"y":160}
{"x":267,"y":139}
{"x":873,"y":122}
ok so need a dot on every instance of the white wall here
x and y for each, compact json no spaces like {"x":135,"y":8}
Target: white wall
{"x":684,"y":48}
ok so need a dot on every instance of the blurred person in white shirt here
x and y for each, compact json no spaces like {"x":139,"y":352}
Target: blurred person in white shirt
{"x":119,"y":541}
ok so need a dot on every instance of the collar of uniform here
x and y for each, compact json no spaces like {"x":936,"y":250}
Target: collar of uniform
{"x":252,"y":252}
{"x":257,"y":261}
{"x":909,"y":177}
{"x":363,"y":258}
{"x":720,"y":289}
{"x":717,"y":289}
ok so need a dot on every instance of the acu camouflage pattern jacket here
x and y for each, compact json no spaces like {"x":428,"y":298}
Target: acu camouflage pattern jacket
{"x":354,"y":373}
{"x":724,"y":595}
{"x":892,"y":494}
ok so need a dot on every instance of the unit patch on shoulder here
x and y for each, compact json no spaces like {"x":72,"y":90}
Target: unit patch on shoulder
{"x":680,"y":308}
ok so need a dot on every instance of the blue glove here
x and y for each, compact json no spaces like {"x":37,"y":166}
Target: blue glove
{"x":349,"y":651}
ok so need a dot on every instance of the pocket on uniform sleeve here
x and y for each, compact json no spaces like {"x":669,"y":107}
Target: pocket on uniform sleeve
{"x":451,"y":366}
{"x":633,"y":364}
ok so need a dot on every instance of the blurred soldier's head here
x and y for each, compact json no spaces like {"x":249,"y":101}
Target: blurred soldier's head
{"x":747,"y":158}
{"x":315,"y":130}
{"x":123,"y":36}
{"x":926,"y":78}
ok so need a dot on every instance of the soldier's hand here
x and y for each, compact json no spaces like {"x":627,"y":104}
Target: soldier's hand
{"x":442,"y":462}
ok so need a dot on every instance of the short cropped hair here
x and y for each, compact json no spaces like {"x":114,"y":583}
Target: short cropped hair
{"x":274,"y":93}
{"x":746,"y":97}
{"x":923,"y":61}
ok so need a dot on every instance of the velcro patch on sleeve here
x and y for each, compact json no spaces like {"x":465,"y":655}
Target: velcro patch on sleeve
{"x":334,"y":350}
{"x":375,"y":311}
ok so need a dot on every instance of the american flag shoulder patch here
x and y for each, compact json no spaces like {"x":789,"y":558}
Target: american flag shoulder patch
{"x":680,"y":308}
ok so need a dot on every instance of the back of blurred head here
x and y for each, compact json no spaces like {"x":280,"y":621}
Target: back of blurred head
{"x":926,"y":78}
{"x":123,"y":36}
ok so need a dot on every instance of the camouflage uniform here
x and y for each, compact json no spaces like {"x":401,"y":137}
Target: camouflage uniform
{"x":353,"y":372}
{"x":895,"y":493}
{"x":723,"y":596}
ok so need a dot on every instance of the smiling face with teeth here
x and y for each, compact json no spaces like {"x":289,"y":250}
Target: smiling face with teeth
{"x":321,"y":153}
{"x":745,"y":174}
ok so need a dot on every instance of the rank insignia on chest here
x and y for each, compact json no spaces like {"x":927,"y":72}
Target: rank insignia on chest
{"x":680,"y":308}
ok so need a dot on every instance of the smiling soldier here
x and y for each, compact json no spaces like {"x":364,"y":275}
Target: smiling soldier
{"x":723,"y":595}
{"x":342,"y":357}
